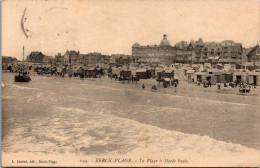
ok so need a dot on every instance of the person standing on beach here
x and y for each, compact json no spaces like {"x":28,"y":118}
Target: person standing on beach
{"x":143,"y":86}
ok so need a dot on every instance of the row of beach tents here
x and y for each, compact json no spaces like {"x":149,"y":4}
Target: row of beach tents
{"x":222,"y":76}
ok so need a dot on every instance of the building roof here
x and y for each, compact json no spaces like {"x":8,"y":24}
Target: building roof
{"x":72,"y":52}
{"x":136,"y":45}
{"x":252,"y":50}
{"x":149,"y":60}
{"x":36,"y":53}
{"x":190,"y":71}
{"x":141,"y":70}
{"x":164,"y":41}
{"x":169,"y":70}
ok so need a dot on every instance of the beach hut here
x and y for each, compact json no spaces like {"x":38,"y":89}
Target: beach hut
{"x":116,"y":71}
{"x":99,"y":71}
{"x":190,"y":75}
{"x":240,"y":76}
{"x":150,"y":72}
{"x":80,"y":70}
{"x":142,"y":73}
{"x":254,"y":78}
{"x":210,"y":77}
{"x":109,"y":70}
{"x":91,"y":72}
{"x":158,"y":69}
{"x":169,"y":73}
{"x":199,"y":76}
{"x":125,"y":74}
{"x":160,"y":75}
{"x":133,"y":70}
{"x":69,"y":70}
{"x":219,"y":76}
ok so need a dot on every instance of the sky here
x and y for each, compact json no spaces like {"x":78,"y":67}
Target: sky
{"x":113,"y":26}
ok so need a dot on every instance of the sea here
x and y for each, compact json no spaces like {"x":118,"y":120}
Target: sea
{"x":72,"y":117}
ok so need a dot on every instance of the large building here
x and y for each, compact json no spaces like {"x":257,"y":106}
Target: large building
{"x":164,"y":52}
{"x":120,"y":59}
{"x":35,"y":57}
{"x":59,"y":59}
{"x":253,"y":57}
{"x":93,"y":58}
{"x":225,"y":52}
{"x":8,"y":60}
{"x":183,"y":52}
{"x":70,"y":57}
{"x":75,"y":58}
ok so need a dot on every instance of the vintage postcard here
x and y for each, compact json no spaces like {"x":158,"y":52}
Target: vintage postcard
{"x":130,"y":83}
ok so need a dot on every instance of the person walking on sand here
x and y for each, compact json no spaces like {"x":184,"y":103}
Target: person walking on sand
{"x":175,"y":84}
{"x":143,"y":86}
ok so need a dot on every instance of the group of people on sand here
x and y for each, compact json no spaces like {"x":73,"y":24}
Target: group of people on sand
{"x":25,"y":73}
{"x":154,"y":88}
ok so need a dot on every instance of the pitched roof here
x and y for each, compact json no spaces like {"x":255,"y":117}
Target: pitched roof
{"x":190,"y":71}
{"x":253,"y":49}
{"x":36,"y":52}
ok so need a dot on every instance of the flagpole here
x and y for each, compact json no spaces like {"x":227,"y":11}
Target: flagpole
{"x":23,"y":59}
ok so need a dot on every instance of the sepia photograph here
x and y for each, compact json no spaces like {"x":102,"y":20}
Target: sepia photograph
{"x":130,"y":83}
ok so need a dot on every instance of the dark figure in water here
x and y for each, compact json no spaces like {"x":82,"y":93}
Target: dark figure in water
{"x":143,"y":86}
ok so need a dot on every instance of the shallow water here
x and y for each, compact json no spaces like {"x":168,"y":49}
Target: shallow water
{"x":99,"y":116}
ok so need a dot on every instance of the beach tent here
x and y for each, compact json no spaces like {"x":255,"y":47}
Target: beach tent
{"x":159,"y":75}
{"x":142,"y":73}
{"x":254,"y":78}
{"x":220,"y":76}
{"x":126,"y":74}
{"x":116,"y":71}
{"x":169,"y":73}
{"x":91,"y":72}
{"x":190,"y":75}
{"x":199,"y":76}
{"x":240,"y":76}
{"x":133,"y":70}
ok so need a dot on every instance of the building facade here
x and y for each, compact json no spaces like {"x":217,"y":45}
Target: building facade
{"x":225,"y":52}
{"x":59,"y":59}
{"x":35,"y":57}
{"x":120,"y":59}
{"x":75,"y":58}
{"x":165,"y":52}
{"x":93,"y":58}
{"x":253,"y":57}
{"x":70,"y":57}
{"x":48,"y":60}
{"x":183,"y":52}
